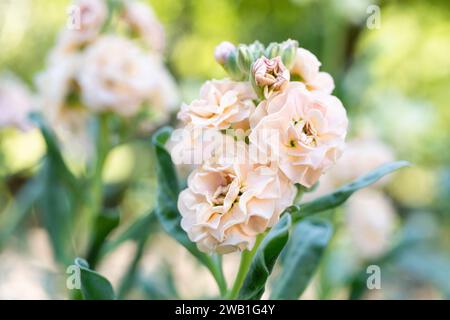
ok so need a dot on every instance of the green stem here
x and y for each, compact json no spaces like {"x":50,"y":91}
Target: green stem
{"x":215,"y":268}
{"x":130,"y":276}
{"x":96,"y":190}
{"x":244,"y":266}
{"x":299,"y":195}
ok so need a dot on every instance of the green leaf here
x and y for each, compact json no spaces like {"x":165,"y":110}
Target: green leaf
{"x":303,"y":254}
{"x":160,"y":285}
{"x":93,"y":285}
{"x":56,"y":209}
{"x":167,"y":211}
{"x":136,"y":231}
{"x":53,"y":152}
{"x":264,"y":260}
{"x":339,"y":196}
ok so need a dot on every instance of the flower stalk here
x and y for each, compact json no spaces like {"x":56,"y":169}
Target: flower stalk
{"x":244,"y":266}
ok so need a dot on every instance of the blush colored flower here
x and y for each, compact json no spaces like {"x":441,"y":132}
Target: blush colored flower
{"x":270,"y":74}
{"x":116,"y":75}
{"x":306,"y":67}
{"x":228,"y":202}
{"x":58,"y":100}
{"x":310,"y":129}
{"x":15,"y":104}
{"x":222,"y":104}
{"x":143,"y":20}
{"x":86,"y":20}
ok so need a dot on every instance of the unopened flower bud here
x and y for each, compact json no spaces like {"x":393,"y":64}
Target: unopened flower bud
{"x":269,"y":76}
{"x":223,"y":51}
{"x":288,"y":52}
{"x":256,"y":49}
{"x":244,"y":59}
{"x":273,"y":50}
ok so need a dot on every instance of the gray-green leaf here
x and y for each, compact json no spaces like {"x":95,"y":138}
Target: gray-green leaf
{"x":264,"y":260}
{"x":93,"y":285}
{"x":303,"y":254}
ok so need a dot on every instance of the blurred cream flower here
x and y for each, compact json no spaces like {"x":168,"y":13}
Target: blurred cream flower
{"x":16,"y":103}
{"x":86,"y":20}
{"x":370,"y":220}
{"x":229,"y":202}
{"x":306,"y":66}
{"x":69,"y":119}
{"x":143,"y":20}
{"x":222,"y":104}
{"x":116,"y":75}
{"x":310,"y":128}
{"x":361,"y":156}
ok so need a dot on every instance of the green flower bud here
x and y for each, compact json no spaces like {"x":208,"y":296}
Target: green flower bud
{"x":256,"y":49}
{"x":288,"y":52}
{"x":273,"y":50}
{"x":232,"y":68}
{"x":244,"y":59}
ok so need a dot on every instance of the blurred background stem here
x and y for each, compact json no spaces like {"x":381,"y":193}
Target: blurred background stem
{"x":96,"y":186}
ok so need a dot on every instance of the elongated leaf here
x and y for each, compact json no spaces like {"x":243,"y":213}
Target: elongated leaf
{"x":167,"y":175}
{"x":303,"y":254}
{"x":23,"y":203}
{"x":59,"y":199}
{"x":168,"y":189}
{"x":55,"y":207}
{"x":264,"y":260}
{"x":93,"y":285}
{"x":136,"y":231}
{"x":339,"y":196}
{"x":105,"y":223}
{"x":53,"y":152}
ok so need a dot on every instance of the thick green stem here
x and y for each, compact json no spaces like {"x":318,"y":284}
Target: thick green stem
{"x":244,"y":266}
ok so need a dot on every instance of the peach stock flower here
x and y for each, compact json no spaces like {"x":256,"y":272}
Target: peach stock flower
{"x":228,"y":202}
{"x":310,"y":128}
{"x":222,"y":104}
{"x":306,"y":66}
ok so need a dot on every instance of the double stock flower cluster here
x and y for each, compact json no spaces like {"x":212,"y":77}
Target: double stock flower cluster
{"x":292,"y":129}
